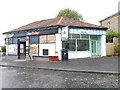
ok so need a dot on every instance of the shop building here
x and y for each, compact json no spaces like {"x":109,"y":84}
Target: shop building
{"x":48,"y":37}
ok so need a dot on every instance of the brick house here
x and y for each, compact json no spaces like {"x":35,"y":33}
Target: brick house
{"x":111,"y":22}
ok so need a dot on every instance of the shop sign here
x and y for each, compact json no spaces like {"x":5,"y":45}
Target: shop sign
{"x":64,"y":33}
{"x":34,"y":33}
{"x":28,"y":33}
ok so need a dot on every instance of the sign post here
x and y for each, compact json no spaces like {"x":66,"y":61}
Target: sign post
{"x":64,"y":33}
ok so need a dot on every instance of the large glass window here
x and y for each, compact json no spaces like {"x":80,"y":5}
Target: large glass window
{"x":69,"y":45}
{"x":76,"y":45}
{"x":82,"y":45}
{"x":33,"y":39}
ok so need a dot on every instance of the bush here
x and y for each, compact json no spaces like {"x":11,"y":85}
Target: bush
{"x":110,"y":35}
{"x":117,"y":49}
{"x":3,"y":48}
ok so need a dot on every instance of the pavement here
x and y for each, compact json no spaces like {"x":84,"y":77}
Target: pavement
{"x":105,"y":65}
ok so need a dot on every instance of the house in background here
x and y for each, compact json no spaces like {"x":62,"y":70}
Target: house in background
{"x":49,"y":37}
{"x":112,"y":22}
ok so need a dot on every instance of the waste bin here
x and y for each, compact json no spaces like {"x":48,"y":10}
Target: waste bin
{"x":64,"y":53}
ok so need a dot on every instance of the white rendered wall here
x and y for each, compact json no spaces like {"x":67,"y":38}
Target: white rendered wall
{"x":6,"y":49}
{"x":78,"y":54}
{"x":50,"y":47}
{"x":12,"y":49}
{"x":6,"y":46}
{"x":58,"y":47}
{"x":103,"y":45}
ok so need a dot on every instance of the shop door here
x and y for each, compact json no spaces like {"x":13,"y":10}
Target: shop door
{"x":21,"y":50}
{"x":94,"y":47}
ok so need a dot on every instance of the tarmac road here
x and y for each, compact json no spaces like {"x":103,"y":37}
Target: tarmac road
{"x":36,"y":78}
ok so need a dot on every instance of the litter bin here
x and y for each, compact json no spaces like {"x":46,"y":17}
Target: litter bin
{"x":64,"y":53}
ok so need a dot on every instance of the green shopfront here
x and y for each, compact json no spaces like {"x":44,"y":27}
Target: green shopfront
{"x":85,"y":42}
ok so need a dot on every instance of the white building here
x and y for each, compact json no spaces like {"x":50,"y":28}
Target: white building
{"x":49,"y":37}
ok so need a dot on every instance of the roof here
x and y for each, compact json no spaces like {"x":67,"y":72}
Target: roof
{"x":115,"y":14}
{"x":60,"y":21}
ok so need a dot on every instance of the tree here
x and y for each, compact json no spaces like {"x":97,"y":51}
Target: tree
{"x":3,"y":48}
{"x":70,"y":14}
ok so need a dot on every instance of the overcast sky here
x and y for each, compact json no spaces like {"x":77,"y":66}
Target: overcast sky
{"x":15,"y":13}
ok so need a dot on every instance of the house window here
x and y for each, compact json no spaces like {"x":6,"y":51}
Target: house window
{"x":109,"y":25}
{"x":45,"y":51}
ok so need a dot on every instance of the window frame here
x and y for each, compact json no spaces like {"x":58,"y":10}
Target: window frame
{"x":76,"y":42}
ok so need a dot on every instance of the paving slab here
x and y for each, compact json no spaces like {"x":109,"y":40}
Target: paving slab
{"x":89,"y":65}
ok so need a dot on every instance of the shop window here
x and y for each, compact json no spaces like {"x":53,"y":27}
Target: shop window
{"x":43,"y":39}
{"x":33,"y":39}
{"x":47,"y":38}
{"x":15,"y":40}
{"x":34,"y":49}
{"x":82,"y":45}
{"x":84,"y":36}
{"x":69,"y":45}
{"x":50,"y":38}
{"x":9,"y":40}
{"x":76,"y":36}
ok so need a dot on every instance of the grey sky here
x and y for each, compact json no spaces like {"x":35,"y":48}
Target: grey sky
{"x":15,"y":13}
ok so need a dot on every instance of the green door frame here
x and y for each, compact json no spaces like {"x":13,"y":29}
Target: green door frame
{"x":93,"y":47}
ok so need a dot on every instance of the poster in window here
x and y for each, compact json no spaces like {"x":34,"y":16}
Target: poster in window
{"x":34,"y":49}
{"x":43,"y":39}
{"x":50,"y":38}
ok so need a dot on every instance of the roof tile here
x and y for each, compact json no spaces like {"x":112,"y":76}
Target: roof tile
{"x":63,"y":21}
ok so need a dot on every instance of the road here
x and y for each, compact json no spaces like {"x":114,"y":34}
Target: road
{"x":36,"y":78}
